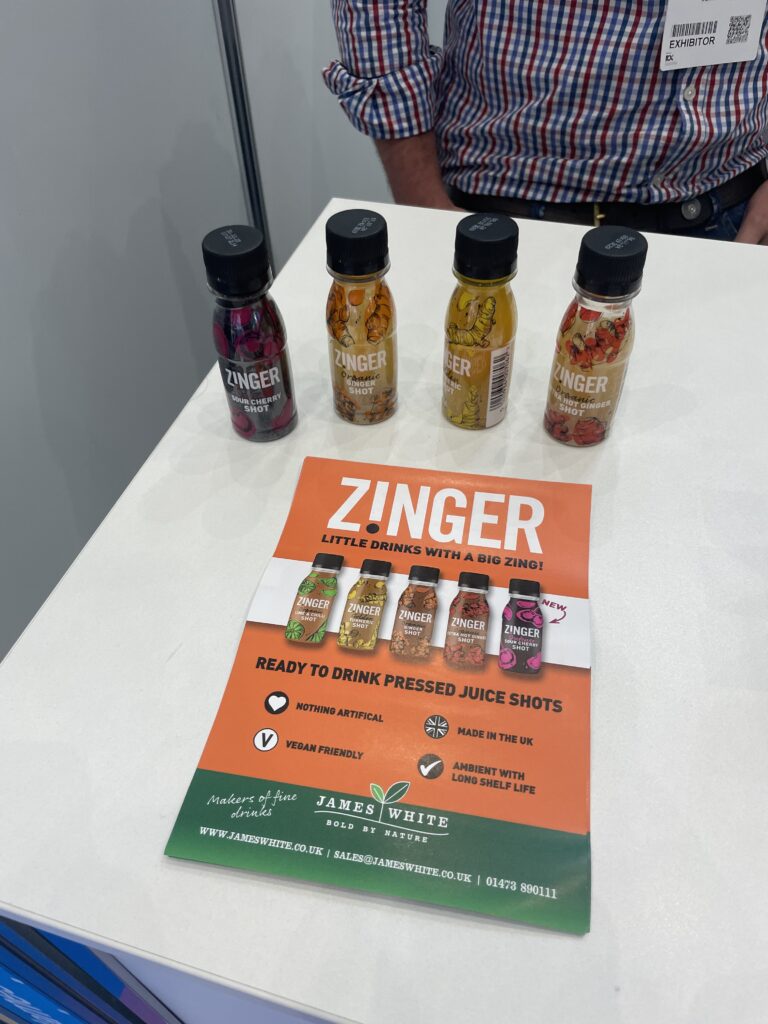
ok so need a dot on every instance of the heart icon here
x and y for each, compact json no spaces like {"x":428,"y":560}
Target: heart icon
{"x":276,"y":702}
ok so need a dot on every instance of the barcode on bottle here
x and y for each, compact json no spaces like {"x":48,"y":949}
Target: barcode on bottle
{"x":694,"y":28}
{"x":499,"y":385}
{"x":738,"y":29}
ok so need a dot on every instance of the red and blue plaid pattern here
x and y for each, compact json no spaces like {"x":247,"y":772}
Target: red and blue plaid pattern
{"x":556,"y":102}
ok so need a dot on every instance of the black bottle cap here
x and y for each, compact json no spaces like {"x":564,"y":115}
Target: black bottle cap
{"x":357,"y":244}
{"x":374,"y":568}
{"x":486,"y":246}
{"x":473,"y":580}
{"x":423,"y":574}
{"x":236,"y":261}
{"x":531,"y":588}
{"x":323,"y":561}
{"x":611,"y":261}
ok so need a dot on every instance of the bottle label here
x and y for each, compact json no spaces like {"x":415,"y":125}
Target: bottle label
{"x":361,"y":333}
{"x":311,"y":608}
{"x":256,"y":387}
{"x":476,"y":385}
{"x":521,"y":637}
{"x":359,"y":627}
{"x":467,"y":631}
{"x":588,"y":370}
{"x":414,"y":622}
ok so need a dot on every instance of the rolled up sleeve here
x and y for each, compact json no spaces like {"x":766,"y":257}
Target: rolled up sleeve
{"x":385,"y":77}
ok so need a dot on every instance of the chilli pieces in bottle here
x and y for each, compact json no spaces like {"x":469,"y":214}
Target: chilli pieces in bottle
{"x":596,"y":336}
{"x":360,"y":315}
{"x":361,"y":620}
{"x":481,"y":322}
{"x":522,"y":627}
{"x":467,"y":632}
{"x":249,"y":334}
{"x":314,"y":600}
{"x":415,"y":615}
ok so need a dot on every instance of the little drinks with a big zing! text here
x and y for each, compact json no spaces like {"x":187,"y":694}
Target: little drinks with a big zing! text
{"x":359,"y":629}
{"x":481,"y":322}
{"x":249,"y":334}
{"x":415,"y":616}
{"x":467,"y":632}
{"x":522,"y":626}
{"x":314,"y":599}
{"x":360,"y":315}
{"x":596,"y":336}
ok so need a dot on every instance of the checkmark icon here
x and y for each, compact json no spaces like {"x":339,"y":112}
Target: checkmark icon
{"x":430,"y":766}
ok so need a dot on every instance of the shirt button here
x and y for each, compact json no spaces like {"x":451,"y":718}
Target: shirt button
{"x":657,"y":182}
{"x":689,"y":93}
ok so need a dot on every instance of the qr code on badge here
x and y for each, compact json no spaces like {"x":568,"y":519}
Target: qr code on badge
{"x":738,"y":29}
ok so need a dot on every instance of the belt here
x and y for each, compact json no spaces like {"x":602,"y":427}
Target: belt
{"x":665,"y":217}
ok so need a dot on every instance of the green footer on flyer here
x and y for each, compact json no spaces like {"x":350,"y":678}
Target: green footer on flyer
{"x":517,"y":872}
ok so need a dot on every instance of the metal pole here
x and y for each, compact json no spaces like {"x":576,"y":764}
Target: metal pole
{"x":232,"y":57}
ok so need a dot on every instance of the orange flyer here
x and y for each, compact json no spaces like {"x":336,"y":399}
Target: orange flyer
{"x":408,"y":711}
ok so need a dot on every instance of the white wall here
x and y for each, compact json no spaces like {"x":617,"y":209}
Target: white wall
{"x":118,"y":155}
{"x":307,"y":150}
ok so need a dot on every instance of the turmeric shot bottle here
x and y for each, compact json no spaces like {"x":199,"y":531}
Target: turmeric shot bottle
{"x":595,"y":338}
{"x":481,"y":322}
{"x":359,"y":629}
{"x":360,"y":315}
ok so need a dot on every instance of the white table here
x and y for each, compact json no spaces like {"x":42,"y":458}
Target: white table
{"x":107,"y":699}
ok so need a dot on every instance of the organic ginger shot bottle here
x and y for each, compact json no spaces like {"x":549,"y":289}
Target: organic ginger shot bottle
{"x":360,"y":315}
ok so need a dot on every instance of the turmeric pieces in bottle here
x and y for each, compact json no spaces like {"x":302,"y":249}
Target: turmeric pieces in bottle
{"x":481,"y":322}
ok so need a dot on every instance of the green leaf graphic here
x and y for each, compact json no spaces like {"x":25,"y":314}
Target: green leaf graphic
{"x":293,"y":630}
{"x":396,"y":792}
{"x":318,"y":635}
{"x":307,"y":586}
{"x":328,"y":593}
{"x":377,"y":793}
{"x":328,"y":581}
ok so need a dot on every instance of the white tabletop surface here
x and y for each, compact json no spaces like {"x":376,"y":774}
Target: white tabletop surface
{"x":107,"y":699}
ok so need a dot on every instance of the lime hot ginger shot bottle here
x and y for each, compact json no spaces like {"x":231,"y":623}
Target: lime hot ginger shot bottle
{"x":595,"y":338}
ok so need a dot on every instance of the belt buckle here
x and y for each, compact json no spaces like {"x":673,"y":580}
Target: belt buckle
{"x":597,"y":215}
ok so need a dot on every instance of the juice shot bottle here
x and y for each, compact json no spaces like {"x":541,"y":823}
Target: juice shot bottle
{"x":360,"y":315}
{"x":595,"y":338}
{"x":415,"y":616}
{"x":481,"y":322}
{"x":249,"y":334}
{"x":360,"y":623}
{"x":314,"y":599}
{"x":522,"y":626}
{"x":467,"y":632}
